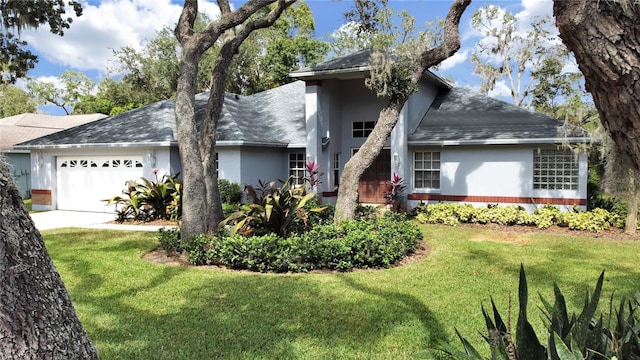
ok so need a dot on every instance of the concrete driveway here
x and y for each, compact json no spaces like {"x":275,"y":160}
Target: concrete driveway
{"x":56,"y":219}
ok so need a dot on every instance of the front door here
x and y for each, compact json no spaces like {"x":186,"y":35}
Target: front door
{"x":373,"y":182}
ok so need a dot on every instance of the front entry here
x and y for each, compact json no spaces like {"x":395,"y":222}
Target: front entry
{"x":373,"y":182}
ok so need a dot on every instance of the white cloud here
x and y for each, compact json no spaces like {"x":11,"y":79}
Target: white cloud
{"x":532,"y":8}
{"x":457,"y":58}
{"x":51,"y":79}
{"x":112,"y":24}
{"x":500,"y":90}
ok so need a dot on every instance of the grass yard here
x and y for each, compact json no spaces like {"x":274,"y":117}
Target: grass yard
{"x":27,"y":203}
{"x":133,"y":309}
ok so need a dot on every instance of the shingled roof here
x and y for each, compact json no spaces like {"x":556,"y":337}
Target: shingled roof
{"x":462,"y":116}
{"x":273,"y":117}
{"x":20,"y":128}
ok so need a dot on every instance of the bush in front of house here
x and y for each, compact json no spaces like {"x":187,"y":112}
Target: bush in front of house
{"x":273,"y":209}
{"x":147,"y":200}
{"x":230,"y":193}
{"x":453,"y":214}
{"x":375,"y":243}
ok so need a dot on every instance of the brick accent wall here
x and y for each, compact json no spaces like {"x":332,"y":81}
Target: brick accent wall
{"x":498,"y":199}
{"x":40,"y":197}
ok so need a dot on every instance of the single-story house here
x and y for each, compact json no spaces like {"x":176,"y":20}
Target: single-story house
{"x":450,"y":144}
{"x":20,"y":128}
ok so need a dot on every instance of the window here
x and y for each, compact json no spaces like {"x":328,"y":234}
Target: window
{"x":362,"y":129}
{"x":336,"y":169}
{"x":297,"y":167}
{"x":555,"y":170}
{"x":426,"y":167}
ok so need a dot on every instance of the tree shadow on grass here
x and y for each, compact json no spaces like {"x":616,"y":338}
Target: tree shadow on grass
{"x":406,"y":303}
{"x":229,"y":315}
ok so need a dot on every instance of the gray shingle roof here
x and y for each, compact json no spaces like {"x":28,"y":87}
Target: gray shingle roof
{"x":463,"y":116}
{"x":352,"y":61}
{"x":271,"y":117}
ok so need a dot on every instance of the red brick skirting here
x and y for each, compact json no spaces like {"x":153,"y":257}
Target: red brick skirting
{"x":329,"y":193}
{"x":498,"y":199}
{"x":40,"y":197}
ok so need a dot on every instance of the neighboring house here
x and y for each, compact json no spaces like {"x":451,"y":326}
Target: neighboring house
{"x":450,"y":144}
{"x":19,"y":128}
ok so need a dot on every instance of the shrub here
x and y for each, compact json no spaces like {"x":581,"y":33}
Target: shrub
{"x":230,"y":193}
{"x":595,"y":220}
{"x":354,"y":244}
{"x":576,"y":336}
{"x":202,"y":250}
{"x":147,"y":200}
{"x":440,"y":213}
{"x":543,"y":217}
{"x":228,"y":209}
{"x":503,"y":215}
{"x":278,"y":210}
{"x":366,"y":212}
{"x":394,"y":189}
{"x":170,"y":240}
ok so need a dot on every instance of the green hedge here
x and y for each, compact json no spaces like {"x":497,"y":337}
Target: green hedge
{"x":374,"y":243}
{"x":543,"y":217}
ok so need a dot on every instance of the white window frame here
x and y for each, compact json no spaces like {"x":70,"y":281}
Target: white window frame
{"x":217,"y":165}
{"x":431,"y":161}
{"x":555,"y":169}
{"x":365,"y":131}
{"x":299,"y":168}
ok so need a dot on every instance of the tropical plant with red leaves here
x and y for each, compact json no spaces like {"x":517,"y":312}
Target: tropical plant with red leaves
{"x":395,"y":189}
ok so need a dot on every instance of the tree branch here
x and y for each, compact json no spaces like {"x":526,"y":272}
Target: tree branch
{"x":451,"y":43}
{"x":184,"y":29}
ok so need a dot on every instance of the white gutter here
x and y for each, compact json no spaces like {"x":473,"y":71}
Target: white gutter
{"x":311,"y":73}
{"x":501,"y":142}
{"x":223,"y":143}
{"x":97,"y":145}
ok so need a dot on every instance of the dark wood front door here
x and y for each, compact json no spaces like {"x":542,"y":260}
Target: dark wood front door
{"x":372,"y":184}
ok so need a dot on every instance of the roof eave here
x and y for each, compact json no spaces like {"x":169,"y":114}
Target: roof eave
{"x":224,"y":143}
{"x":350,"y":73}
{"x":14,"y":151}
{"x":556,"y":141}
{"x":97,"y":145}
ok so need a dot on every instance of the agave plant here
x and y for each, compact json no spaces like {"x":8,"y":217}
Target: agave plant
{"x":582,"y":336}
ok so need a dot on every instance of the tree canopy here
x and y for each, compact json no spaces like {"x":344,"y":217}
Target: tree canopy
{"x":15,"y":101}
{"x":15,"y":58}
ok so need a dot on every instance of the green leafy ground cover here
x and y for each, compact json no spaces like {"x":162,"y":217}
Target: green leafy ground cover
{"x":134,"y":309}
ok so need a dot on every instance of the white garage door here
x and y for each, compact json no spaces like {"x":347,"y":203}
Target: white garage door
{"x":83,"y":182}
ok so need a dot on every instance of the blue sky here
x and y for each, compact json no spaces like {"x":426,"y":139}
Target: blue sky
{"x":111,"y":24}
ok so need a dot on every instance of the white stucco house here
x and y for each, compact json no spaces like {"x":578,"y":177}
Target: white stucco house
{"x":20,"y":128}
{"x":450,"y":144}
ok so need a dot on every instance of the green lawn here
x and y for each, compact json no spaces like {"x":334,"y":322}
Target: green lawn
{"x":133,"y":309}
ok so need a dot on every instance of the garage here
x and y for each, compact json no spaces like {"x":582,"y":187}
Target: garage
{"x":84,"y":181}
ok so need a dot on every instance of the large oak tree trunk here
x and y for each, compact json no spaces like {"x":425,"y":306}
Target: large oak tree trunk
{"x":388,"y":118}
{"x":604,"y":36}
{"x":37,"y":319}
{"x":201,"y":207}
